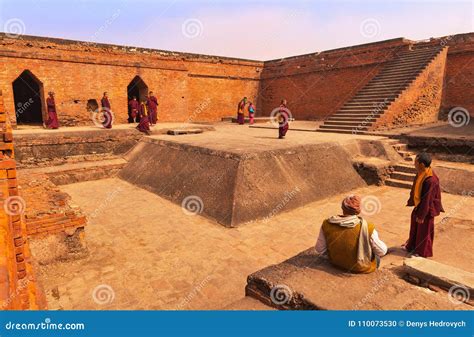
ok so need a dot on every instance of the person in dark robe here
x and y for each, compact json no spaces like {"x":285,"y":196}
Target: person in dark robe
{"x":106,"y":110}
{"x":425,"y":196}
{"x":240,"y":111}
{"x":283,"y":119}
{"x":52,"y":122}
{"x":152,"y":105}
{"x":133,"y":107}
{"x":144,"y":125}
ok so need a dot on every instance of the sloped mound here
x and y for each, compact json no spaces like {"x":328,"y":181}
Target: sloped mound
{"x":233,"y":188}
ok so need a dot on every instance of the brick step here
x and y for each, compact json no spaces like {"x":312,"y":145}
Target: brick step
{"x":339,"y":127}
{"x":356,"y":101}
{"x":356,"y":116}
{"x":403,"y":176}
{"x":373,"y":98}
{"x":411,"y":58}
{"x":394,"y":77}
{"x":414,"y":66}
{"x":400,"y":146}
{"x":405,"y":154}
{"x":354,"y":132}
{"x":415,"y":53}
{"x":399,"y":70}
{"x":404,"y":168}
{"x":384,"y":83}
{"x":351,"y":119}
{"x":347,"y":123}
{"x":370,"y":107}
{"x":368,"y":103}
{"x":387,"y":91}
{"x":398,"y":183}
{"x":367,"y":111}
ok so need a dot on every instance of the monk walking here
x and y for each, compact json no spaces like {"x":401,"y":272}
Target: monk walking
{"x":144,"y":125}
{"x":283,"y":119}
{"x":133,"y":106}
{"x":425,"y":196}
{"x":240,"y":111}
{"x":106,"y":110}
{"x":52,"y":122}
{"x":152,"y":105}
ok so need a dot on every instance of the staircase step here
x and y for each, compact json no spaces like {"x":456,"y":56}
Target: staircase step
{"x":400,"y":146}
{"x":403,"y":176}
{"x":404,"y":168}
{"x":348,"y":115}
{"x":398,"y":183}
{"x":354,"y":132}
{"x":362,"y":123}
{"x":405,"y":154}
{"x":353,"y":119}
{"x":340,"y":127}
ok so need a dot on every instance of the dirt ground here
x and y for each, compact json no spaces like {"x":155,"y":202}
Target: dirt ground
{"x":147,"y":253}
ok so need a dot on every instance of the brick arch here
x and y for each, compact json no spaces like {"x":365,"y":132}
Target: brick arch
{"x":28,"y":96}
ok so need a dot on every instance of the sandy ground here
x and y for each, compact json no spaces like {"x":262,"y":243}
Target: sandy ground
{"x":146,"y":253}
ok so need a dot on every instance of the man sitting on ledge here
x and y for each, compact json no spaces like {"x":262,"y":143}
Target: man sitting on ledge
{"x":350,"y":242}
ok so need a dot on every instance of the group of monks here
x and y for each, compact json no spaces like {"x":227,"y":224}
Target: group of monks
{"x":282,"y":115}
{"x":353,"y":244}
{"x":144,"y":113}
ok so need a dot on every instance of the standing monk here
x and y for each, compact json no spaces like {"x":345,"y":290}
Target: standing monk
{"x":425,"y":195}
{"x":283,"y":119}
{"x":240,"y":110}
{"x":144,"y":125}
{"x":152,"y":105}
{"x":133,"y":106}
{"x":107,"y":123}
{"x":52,"y":122}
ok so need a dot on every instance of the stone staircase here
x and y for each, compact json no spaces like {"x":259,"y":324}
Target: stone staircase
{"x":404,"y":172}
{"x":362,"y":111}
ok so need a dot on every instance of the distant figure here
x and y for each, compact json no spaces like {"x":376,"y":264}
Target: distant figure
{"x":152,"y":105}
{"x":144,"y":125}
{"x":251,"y":112}
{"x":240,"y":111}
{"x":133,"y":106}
{"x":107,"y":123}
{"x":425,"y":195}
{"x":52,"y":122}
{"x":283,"y":119}
{"x":350,"y":242}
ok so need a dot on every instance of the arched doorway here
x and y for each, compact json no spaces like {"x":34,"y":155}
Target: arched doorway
{"x":137,"y":88}
{"x":28,"y":96}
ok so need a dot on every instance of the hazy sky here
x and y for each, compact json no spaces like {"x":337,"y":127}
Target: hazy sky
{"x":259,"y":30}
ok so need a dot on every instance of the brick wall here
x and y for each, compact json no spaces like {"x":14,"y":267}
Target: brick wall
{"x":18,"y":287}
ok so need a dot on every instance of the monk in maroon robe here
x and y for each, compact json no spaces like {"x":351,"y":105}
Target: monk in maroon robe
{"x":240,"y":111}
{"x":425,"y":195}
{"x":152,"y":105}
{"x":106,"y":110}
{"x":144,"y":125}
{"x":283,"y":119}
{"x":133,"y":107}
{"x":52,"y":122}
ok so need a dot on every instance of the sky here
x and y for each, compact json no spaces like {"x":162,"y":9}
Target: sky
{"x":259,"y":30}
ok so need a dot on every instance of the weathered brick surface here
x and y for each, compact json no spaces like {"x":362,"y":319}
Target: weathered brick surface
{"x":18,"y":286}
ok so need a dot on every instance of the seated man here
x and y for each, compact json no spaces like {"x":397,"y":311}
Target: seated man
{"x":350,"y":242}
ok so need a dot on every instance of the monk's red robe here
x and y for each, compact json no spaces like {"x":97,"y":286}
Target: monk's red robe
{"x":240,"y":112}
{"x":283,"y":123}
{"x":144,"y":125}
{"x":52,"y":122}
{"x":107,"y":123}
{"x":152,"y":105}
{"x":422,"y":235}
{"x":133,"y":107}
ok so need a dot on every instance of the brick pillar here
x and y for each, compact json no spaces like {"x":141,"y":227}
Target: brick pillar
{"x":18,"y":287}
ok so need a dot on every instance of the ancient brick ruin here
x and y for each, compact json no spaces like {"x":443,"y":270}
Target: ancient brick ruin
{"x":360,"y":96}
